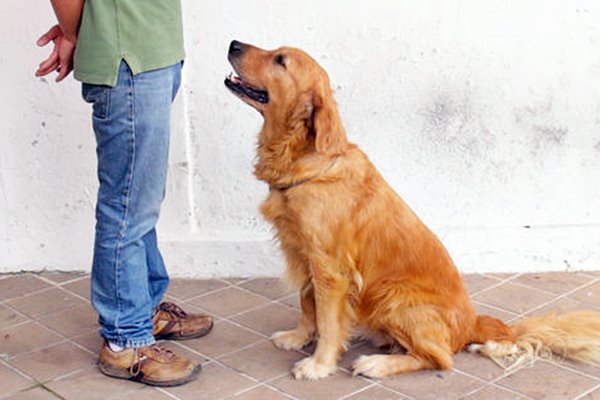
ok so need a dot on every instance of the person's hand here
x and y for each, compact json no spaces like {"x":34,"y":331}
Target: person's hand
{"x":61,"y":58}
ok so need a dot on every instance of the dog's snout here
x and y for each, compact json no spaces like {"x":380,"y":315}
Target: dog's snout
{"x":236,"y":48}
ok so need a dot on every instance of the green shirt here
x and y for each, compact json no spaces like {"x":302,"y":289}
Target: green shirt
{"x":147,"y":34}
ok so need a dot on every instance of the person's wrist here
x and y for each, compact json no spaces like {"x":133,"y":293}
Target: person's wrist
{"x":71,"y":37}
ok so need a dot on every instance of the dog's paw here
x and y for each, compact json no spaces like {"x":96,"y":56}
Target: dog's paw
{"x":290,"y":340}
{"x":311,"y":370}
{"x":375,"y":366}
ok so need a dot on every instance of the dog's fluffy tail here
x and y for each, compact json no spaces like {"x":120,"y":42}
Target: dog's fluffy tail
{"x":575,"y":336}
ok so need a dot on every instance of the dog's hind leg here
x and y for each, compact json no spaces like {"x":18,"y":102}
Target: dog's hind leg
{"x":382,"y":365}
{"x":426,"y":340}
{"x":304,"y":333}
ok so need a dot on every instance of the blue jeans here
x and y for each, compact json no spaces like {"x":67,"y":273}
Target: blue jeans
{"x":131,"y":123}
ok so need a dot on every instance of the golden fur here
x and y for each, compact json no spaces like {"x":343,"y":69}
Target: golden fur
{"x":359,"y":255}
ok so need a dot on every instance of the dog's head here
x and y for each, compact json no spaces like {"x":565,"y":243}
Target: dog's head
{"x":287,"y":87}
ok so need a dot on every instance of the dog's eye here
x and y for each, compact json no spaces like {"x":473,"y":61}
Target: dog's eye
{"x":280,"y":59}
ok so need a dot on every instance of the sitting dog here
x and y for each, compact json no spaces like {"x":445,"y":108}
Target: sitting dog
{"x":358,"y":254}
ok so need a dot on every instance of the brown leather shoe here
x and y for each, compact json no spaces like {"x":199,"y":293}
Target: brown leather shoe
{"x":171,"y":322}
{"x":152,"y":365}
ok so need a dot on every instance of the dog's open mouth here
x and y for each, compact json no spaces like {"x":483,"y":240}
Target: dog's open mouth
{"x":240,"y":87}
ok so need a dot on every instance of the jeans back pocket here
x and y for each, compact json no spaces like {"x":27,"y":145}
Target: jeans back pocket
{"x":99,"y":97}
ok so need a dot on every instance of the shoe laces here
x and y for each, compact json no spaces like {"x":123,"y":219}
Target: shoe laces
{"x":154,"y":352}
{"x":172,"y":309}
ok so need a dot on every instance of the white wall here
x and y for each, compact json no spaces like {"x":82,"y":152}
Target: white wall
{"x":484,"y":115}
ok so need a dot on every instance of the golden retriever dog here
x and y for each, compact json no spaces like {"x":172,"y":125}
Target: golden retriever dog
{"x":360,"y":257}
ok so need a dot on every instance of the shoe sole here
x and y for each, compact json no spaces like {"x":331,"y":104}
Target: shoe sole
{"x":121,"y":373}
{"x":176,"y":336}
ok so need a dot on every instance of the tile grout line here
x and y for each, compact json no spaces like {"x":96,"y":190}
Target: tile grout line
{"x":168,"y":394}
{"x":228,"y":285}
{"x":494,"y":286}
{"x":344,"y":397}
{"x":29,"y":294}
{"x":555,"y":299}
{"x":280,"y":391}
{"x":587,"y":392}
{"x":496,"y":308}
{"x":17,"y":371}
{"x":262,"y":384}
{"x":54,"y":283}
{"x":524,"y":285}
{"x":568,"y":368}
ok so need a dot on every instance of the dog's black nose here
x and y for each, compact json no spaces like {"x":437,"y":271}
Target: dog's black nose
{"x":236,"y":48}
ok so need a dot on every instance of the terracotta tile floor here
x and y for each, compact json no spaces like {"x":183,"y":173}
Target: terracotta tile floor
{"x":48,"y":344}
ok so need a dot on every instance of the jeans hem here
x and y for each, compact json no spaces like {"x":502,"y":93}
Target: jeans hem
{"x":134,"y":343}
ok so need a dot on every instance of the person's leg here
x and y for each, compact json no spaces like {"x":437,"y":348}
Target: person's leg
{"x":131,"y":122}
{"x":158,"y":279}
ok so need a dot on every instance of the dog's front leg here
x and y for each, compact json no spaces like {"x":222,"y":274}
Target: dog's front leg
{"x":304,"y":333}
{"x":330,"y":292}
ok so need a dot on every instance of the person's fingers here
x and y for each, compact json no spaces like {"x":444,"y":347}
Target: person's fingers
{"x":51,"y":68}
{"x":63,"y":71}
{"x":49,"y":36}
{"x":47,"y":65}
{"x":47,"y":70}
{"x":52,"y":58}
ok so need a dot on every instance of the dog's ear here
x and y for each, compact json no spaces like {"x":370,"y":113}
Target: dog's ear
{"x":325,"y":124}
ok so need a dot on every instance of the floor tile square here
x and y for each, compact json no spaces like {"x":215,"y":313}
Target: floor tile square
{"x":80,"y":287}
{"x":261,"y":393}
{"x":90,"y":384}
{"x":61,"y":277}
{"x":477,"y":365}
{"x":376,"y":392}
{"x":588,"y":369}
{"x":270,"y":319}
{"x":513,"y":298}
{"x":272,"y":288}
{"x":91,"y":341}
{"x":225,"y":337}
{"x":503,"y":276}
{"x":214,"y":382}
{"x":11,"y":381}
{"x":45,"y":303}
{"x":263,"y":361}
{"x":548,"y":381}
{"x":73,"y":322}
{"x":502,"y":315}
{"x":229,"y":301}
{"x":20,"y":285}
{"x":26,"y":337}
{"x":593,"y":395}
{"x":184,"y":289}
{"x":590,"y":294}
{"x":477,"y":282}
{"x":494,"y":392}
{"x":10,"y":317}
{"x":554,"y":282}
{"x":333,"y":387}
{"x":51,"y":362}
{"x":35,"y":393}
{"x":561,"y":306}
{"x":433,"y":385}
{"x":148,"y":393}
{"x":292,"y":300}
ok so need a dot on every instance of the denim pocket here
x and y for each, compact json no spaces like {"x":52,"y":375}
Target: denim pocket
{"x":99,"y":97}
